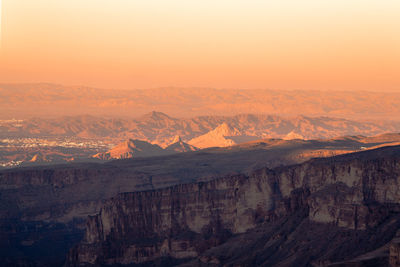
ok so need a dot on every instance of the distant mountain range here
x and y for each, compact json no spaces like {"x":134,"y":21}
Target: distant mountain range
{"x":204,"y":131}
{"x":78,"y":138}
{"x":278,"y":151}
{"x":45,"y":100}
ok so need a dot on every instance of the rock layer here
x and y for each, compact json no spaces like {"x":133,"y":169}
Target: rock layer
{"x":356,"y":195}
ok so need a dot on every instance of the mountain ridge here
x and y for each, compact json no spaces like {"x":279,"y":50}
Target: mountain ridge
{"x":41,"y":100}
{"x":160,"y":128}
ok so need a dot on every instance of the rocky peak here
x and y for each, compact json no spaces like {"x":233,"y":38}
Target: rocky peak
{"x":131,"y":148}
{"x":219,"y":137}
{"x":225,"y":129}
{"x":293,"y":135}
{"x":179,"y":146}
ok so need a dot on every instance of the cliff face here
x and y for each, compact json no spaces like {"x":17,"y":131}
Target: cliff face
{"x":178,"y":221}
{"x":356,"y":193}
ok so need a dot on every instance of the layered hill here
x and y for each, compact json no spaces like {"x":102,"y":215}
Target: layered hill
{"x":340,"y":211}
{"x":42,"y":100}
{"x":159,"y":128}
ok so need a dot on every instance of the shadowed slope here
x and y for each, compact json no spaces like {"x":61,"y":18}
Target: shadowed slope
{"x":178,"y":145}
{"x":131,"y":149}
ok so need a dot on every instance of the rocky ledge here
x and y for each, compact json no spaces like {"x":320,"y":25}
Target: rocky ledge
{"x":323,"y":212}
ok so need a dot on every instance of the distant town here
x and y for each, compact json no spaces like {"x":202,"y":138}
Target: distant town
{"x":15,"y":151}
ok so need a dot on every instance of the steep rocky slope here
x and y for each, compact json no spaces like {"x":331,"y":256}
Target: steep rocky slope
{"x":132,"y":149}
{"x":43,"y":209}
{"x":178,"y":146}
{"x":316,"y":213}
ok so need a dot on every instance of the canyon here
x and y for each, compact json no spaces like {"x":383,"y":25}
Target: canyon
{"x":148,"y":188}
{"x":324,"y":212}
{"x":44,"y":209}
{"x":222,"y":133}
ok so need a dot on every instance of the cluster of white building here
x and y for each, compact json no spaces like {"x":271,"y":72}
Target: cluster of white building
{"x":12,"y":163}
{"x":39,"y":142}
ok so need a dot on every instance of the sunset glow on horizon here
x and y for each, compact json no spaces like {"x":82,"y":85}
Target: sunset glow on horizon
{"x":287,"y":44}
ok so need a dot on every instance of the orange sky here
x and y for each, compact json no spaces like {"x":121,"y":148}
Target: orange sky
{"x":277,"y":44}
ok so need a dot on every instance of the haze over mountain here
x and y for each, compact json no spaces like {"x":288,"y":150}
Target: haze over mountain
{"x":199,"y":133}
{"x":159,"y":128}
{"x":64,"y":139}
{"x":45,"y":100}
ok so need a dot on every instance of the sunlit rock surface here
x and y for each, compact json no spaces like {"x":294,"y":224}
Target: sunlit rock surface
{"x":317,"y":213}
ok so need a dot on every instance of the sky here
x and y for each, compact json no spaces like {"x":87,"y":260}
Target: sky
{"x":275,"y":44}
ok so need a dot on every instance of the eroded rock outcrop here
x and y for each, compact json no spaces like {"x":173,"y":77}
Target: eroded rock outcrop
{"x":349,"y":196}
{"x":179,"y":221}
